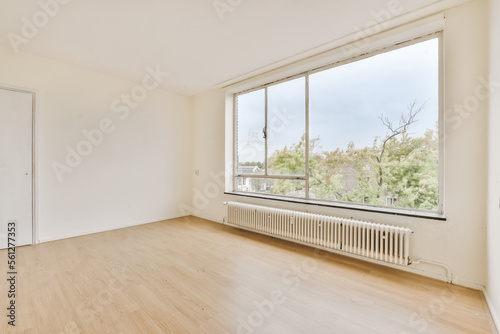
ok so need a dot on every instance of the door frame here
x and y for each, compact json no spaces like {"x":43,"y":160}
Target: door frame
{"x":34,"y":162}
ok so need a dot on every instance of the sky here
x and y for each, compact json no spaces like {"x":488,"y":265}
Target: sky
{"x":345,"y":102}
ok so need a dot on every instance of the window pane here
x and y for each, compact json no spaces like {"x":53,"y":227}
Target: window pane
{"x":250,"y":140}
{"x":286,"y":127}
{"x":374,"y":129}
{"x":294,"y":188}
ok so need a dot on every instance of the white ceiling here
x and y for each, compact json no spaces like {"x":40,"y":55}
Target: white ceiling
{"x":187,"y":38}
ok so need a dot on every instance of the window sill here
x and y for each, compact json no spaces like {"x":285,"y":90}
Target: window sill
{"x":387,"y":211}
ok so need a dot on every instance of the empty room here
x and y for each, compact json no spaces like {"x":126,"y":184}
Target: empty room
{"x":250,"y":167}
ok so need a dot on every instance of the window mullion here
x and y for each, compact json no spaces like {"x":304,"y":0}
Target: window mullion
{"x":266,"y":173}
{"x":235,"y":140}
{"x":307,"y":136}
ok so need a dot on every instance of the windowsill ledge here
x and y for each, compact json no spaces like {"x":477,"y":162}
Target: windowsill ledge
{"x":381,"y":210}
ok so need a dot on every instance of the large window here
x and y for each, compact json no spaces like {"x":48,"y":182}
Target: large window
{"x":363,"y":132}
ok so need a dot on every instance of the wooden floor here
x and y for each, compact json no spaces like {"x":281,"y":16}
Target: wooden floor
{"x":193,"y":276}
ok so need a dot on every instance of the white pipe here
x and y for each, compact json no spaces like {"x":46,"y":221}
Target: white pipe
{"x":449,"y":275}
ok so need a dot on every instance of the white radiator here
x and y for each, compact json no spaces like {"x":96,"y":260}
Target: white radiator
{"x":376,"y":241}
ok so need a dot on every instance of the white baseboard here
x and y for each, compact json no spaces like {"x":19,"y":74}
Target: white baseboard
{"x":442,"y":277}
{"x":208,"y":218}
{"x":111,"y":228}
{"x":491,"y":307}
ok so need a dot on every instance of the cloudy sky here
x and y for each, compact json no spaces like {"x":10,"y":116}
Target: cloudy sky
{"x":345,"y":102}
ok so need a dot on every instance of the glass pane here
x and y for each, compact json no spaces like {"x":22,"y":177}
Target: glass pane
{"x":374,"y":129}
{"x":251,"y":115}
{"x":286,"y":127}
{"x":294,"y":188}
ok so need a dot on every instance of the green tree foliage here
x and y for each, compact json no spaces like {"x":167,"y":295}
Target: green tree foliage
{"x":252,"y":163}
{"x":397,"y":165}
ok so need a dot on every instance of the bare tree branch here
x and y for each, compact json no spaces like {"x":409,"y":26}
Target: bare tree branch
{"x":405,"y":122}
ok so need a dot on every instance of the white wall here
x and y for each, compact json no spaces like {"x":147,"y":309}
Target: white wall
{"x":139,"y":173}
{"x":459,"y":242}
{"x":493,"y":232}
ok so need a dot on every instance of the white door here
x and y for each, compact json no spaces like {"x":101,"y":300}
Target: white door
{"x":16,"y":166}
